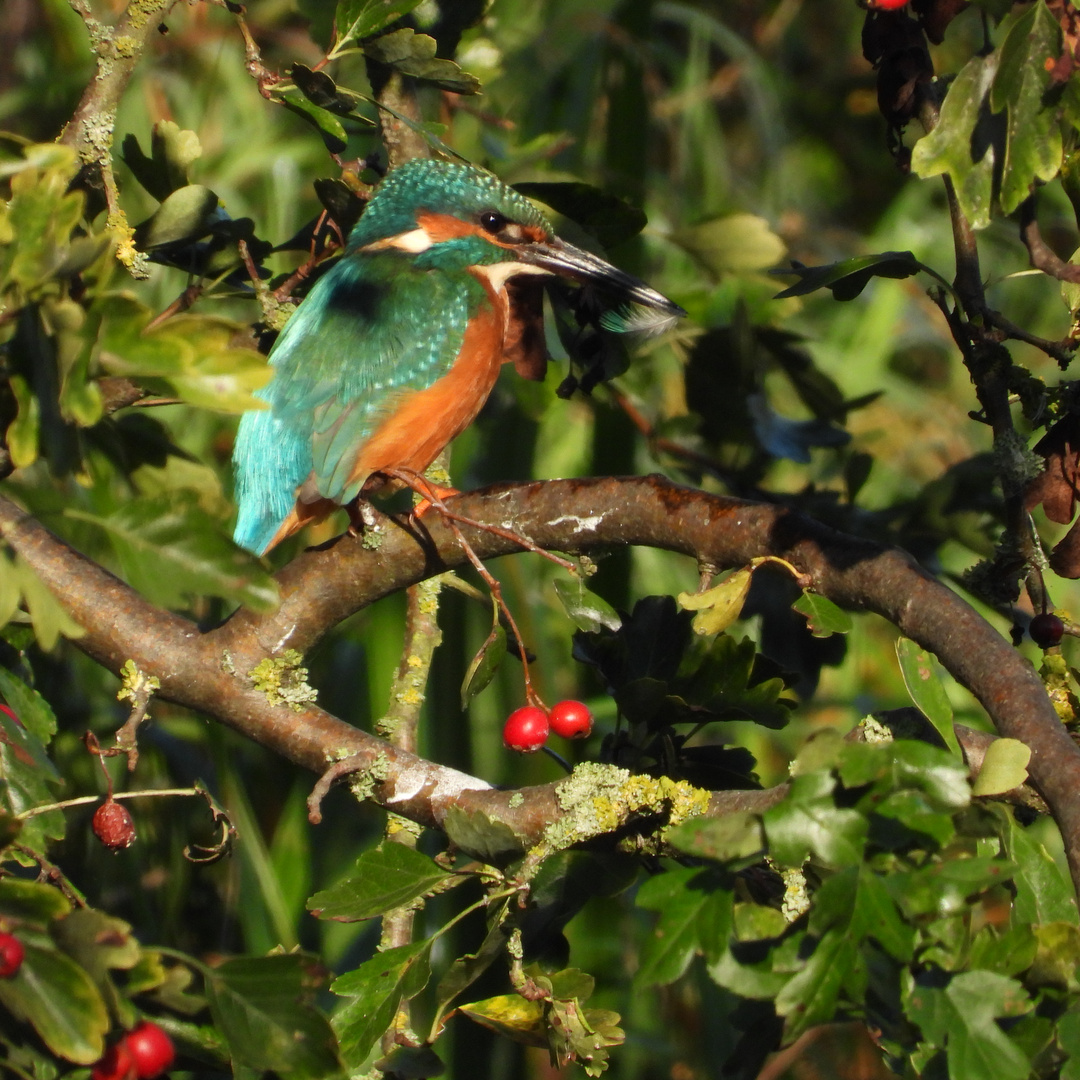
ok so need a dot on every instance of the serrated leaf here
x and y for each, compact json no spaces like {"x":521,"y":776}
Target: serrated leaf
{"x":924,"y":685}
{"x":810,"y":996}
{"x":1043,"y":894}
{"x":847,"y":279}
{"x":377,"y":988}
{"x":717,"y":608}
{"x":32,"y":709}
{"x":586,"y":610}
{"x":358,"y":19}
{"x":172,"y":550}
{"x":414,"y":54}
{"x":962,"y":1018}
{"x":59,"y":1000}
{"x":263,"y":1007}
{"x":10,"y":593}
{"x":966,"y":143}
{"x":1004,"y":767}
{"x":47,"y":615}
{"x":695,"y":916}
{"x":384,"y":878}
{"x":823,"y":617}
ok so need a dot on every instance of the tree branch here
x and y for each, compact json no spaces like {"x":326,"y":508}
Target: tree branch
{"x":206,"y":671}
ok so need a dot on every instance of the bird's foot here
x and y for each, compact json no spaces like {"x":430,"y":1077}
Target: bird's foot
{"x":361,"y":516}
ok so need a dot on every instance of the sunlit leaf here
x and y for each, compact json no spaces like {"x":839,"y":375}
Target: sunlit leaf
{"x":924,"y":685}
{"x":1004,"y":767}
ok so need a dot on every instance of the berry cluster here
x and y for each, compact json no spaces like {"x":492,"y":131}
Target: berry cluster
{"x":143,"y":1053}
{"x":527,"y":728}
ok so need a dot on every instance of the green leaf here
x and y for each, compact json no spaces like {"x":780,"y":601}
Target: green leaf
{"x":28,"y":777}
{"x":32,"y":709}
{"x":190,"y":356}
{"x":823,"y":617}
{"x":22,"y":432}
{"x":387,"y":877}
{"x":737,"y":243}
{"x":484,"y":665}
{"x":358,"y":19}
{"x":1033,"y":147}
{"x":414,"y":54}
{"x":608,"y":218}
{"x":31,"y":901}
{"x":808,"y":822}
{"x":1043,"y":894}
{"x":172,"y":152}
{"x":962,"y":1018}
{"x":731,"y":838}
{"x":324,"y":93}
{"x":717,"y":608}
{"x":47,"y":615}
{"x":1057,"y":957}
{"x":187,"y":214}
{"x":465,"y":970}
{"x":377,"y":988}
{"x":326,"y":123}
{"x":847,"y":279}
{"x":512,"y":1016}
{"x":172,"y":550}
{"x":906,"y":764}
{"x":810,"y":996}
{"x":486,"y":838}
{"x":924,"y":686}
{"x":263,"y":1007}
{"x":59,"y":1000}
{"x":695,"y":915}
{"x":965,"y":144}
{"x":1004,"y":767}
{"x":586,"y":610}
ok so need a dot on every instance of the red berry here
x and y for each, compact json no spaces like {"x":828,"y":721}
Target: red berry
{"x":113,"y":826}
{"x":151,"y":1049}
{"x":116,"y":1064}
{"x":886,"y":5}
{"x":526,"y":729}
{"x":11,"y":955}
{"x":571,"y":719}
{"x":1046,"y":630}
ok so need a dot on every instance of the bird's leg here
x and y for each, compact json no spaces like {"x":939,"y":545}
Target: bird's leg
{"x":432,"y":496}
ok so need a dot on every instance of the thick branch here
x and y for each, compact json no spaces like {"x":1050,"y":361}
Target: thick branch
{"x":205,"y":671}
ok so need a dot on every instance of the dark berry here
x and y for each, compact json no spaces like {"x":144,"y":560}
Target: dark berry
{"x":571,"y":719}
{"x":113,"y":826}
{"x":116,"y":1064}
{"x":151,"y":1049}
{"x":11,"y":955}
{"x":1046,"y":630}
{"x":526,"y":729}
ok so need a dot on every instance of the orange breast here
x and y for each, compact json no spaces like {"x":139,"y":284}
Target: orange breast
{"x":421,"y":423}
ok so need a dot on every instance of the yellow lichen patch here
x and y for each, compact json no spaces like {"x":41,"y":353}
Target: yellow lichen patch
{"x":284,"y":681}
{"x":136,"y":684}
{"x":598,"y":799}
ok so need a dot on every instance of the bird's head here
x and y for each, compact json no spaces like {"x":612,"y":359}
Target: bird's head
{"x":451,"y":216}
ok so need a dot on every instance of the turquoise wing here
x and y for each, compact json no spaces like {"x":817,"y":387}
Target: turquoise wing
{"x":371,"y":328}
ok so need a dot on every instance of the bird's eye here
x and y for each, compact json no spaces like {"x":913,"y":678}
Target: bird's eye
{"x":492,"y":222}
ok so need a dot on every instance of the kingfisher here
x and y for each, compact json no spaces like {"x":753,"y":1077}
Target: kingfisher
{"x":396,"y":348}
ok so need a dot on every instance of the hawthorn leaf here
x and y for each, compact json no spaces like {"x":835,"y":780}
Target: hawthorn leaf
{"x":384,"y":878}
{"x":376,"y":989}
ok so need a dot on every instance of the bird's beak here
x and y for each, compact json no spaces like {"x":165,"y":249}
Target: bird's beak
{"x":558,"y":257}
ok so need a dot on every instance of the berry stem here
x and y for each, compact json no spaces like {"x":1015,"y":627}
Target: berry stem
{"x":558,"y":757}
